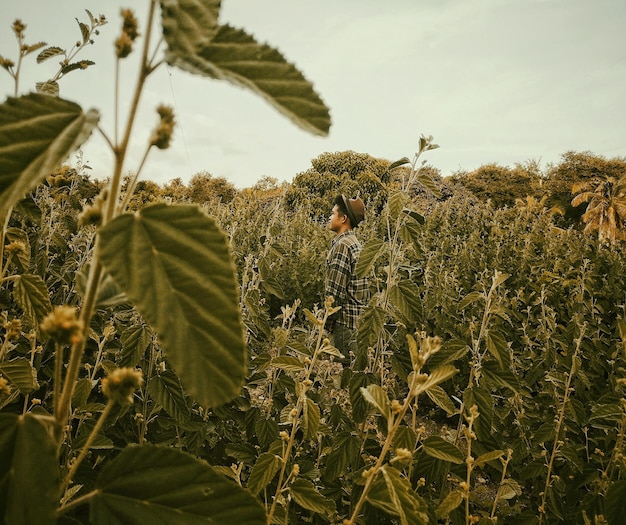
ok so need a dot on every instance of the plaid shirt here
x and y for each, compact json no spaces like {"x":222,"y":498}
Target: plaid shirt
{"x":341,"y":282}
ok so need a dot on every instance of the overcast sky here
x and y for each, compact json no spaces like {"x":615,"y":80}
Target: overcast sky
{"x":494,"y":81}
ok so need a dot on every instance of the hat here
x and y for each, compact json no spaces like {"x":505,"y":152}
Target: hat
{"x":355,"y":208}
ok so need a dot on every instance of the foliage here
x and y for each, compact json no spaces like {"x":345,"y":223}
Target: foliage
{"x":501,"y":185}
{"x":606,"y":209}
{"x":577,"y":168}
{"x":488,"y":383}
{"x":345,"y":172}
{"x":85,"y":286}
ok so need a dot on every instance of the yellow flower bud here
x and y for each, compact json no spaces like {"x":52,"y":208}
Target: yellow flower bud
{"x":121,"y":384}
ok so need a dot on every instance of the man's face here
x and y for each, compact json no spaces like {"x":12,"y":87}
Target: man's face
{"x":336,"y":219}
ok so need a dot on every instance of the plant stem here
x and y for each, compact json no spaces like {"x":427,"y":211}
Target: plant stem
{"x":413,"y":392}
{"x":557,"y":431}
{"x":58,"y":375}
{"x":77,"y":502}
{"x":96,"y":429}
{"x":296,"y":419}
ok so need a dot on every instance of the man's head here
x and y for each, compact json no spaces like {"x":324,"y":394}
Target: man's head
{"x":347,"y":214}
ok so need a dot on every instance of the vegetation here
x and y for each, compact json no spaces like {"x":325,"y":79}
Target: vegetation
{"x":182,"y":345}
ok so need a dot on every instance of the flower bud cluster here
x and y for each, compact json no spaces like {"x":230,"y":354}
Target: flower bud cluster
{"x":124,"y":43}
{"x":121,"y":384}
{"x":163,"y":133}
{"x":63,"y":325}
{"x":13,"y":329}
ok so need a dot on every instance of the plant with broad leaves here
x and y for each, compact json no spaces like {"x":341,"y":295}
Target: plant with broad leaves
{"x":172,"y":263}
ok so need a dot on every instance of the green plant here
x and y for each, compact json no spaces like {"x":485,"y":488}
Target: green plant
{"x":171,"y":262}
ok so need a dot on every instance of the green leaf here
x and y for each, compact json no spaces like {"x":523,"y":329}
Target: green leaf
{"x":428,"y":182}
{"x":371,"y":324}
{"x":370,"y":252}
{"x":235,"y":56}
{"x":393,"y":494}
{"x":614,"y":503}
{"x":166,"y":390}
{"x":470,"y":298}
{"x":150,"y":484}
{"x":498,"y":347}
{"x":311,"y":419}
{"x":398,"y":163}
{"x":480,"y":397}
{"x":29,"y":472}
{"x":441,"y":399}
{"x":174,"y":264}
{"x":438,"y":375}
{"x":266,"y":431}
{"x":405,"y":437}
{"x":509,"y":489}
{"x":288,"y":363}
{"x":396,"y":203}
{"x":37,"y":133}
{"x":100,"y":442}
{"x":405,"y":296}
{"x":377,"y":397}
{"x":20,"y":373}
{"x":450,"y":502}
{"x":49,"y":52}
{"x":345,"y":453}
{"x":188,"y":25}
{"x":417,"y":217}
{"x":487,"y":457}
{"x":307,"y":496}
{"x":499,"y":278}
{"x":610,"y":412}
{"x":263,"y":472}
{"x":32,"y":296}
{"x":23,"y":257}
{"x":439,"y":448}
{"x":449,"y":352}
{"x":135,"y":340}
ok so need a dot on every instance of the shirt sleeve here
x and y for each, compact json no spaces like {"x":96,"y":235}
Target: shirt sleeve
{"x":338,"y":273}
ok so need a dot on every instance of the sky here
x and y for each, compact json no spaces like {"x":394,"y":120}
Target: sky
{"x":493,"y":81}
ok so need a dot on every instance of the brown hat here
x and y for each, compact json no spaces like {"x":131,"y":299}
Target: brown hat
{"x":356,"y":210}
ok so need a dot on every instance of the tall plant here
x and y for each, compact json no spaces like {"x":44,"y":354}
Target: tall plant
{"x":171,"y":262}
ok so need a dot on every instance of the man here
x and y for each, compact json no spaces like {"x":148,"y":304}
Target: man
{"x":348,"y":291}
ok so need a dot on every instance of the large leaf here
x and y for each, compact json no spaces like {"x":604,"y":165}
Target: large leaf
{"x":307,"y":496}
{"x":166,"y":390}
{"x":428,"y":182}
{"x":393,"y":494}
{"x":370,"y":252}
{"x":188,"y":24}
{"x":614,"y":502}
{"x":438,"y":375}
{"x":450,"y":502}
{"x":174,"y":264}
{"x":310,"y":419}
{"x":406,"y":298}
{"x":37,"y":133}
{"x":20,"y":373}
{"x":32,"y":296}
{"x":439,"y":448}
{"x":29,"y":476}
{"x":377,"y":397}
{"x":263,"y":472}
{"x":135,"y":340}
{"x":481,"y":397}
{"x":235,"y":56}
{"x":345,"y":453}
{"x":371,"y":324}
{"x":151,"y":484}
